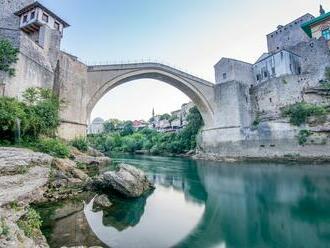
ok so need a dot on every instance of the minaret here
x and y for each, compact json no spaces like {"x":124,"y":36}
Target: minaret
{"x":322,"y":11}
{"x":153,"y":112}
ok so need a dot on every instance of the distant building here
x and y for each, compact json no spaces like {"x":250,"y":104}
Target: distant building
{"x":319,"y":27}
{"x":272,"y":65}
{"x":297,"y":48}
{"x":139,"y":124}
{"x":288,"y":35}
{"x":96,"y":126}
{"x":36,"y":21}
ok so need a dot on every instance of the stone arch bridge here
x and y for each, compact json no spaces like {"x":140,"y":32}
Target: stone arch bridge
{"x":81,"y":87}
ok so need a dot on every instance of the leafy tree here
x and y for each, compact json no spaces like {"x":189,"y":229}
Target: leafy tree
{"x":42,"y":111}
{"x":127,"y":128}
{"x":10,"y":111}
{"x":8,"y":56}
{"x":111,"y":125}
{"x":299,"y":112}
{"x":165,"y":117}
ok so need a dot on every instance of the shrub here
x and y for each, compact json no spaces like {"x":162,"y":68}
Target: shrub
{"x":10,"y":111}
{"x":53,"y":147}
{"x":43,"y":112}
{"x":30,"y":223}
{"x":8,"y":56}
{"x":299,"y":112}
{"x":80,"y":143}
{"x":4,"y":229}
{"x":303,"y":135}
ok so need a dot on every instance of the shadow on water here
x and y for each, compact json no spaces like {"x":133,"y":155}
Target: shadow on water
{"x":210,"y":204}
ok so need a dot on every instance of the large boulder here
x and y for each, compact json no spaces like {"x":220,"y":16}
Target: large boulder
{"x":93,"y":157}
{"x":128,"y":181}
{"x":68,"y":167}
{"x":102,"y":201}
{"x":17,"y":160}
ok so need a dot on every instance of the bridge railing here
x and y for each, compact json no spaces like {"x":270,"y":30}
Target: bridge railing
{"x":161,"y":63}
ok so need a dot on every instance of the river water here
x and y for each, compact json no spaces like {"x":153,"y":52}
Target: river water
{"x":205,"y":204}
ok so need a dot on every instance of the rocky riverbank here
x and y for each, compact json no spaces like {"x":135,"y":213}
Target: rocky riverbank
{"x":30,"y":177}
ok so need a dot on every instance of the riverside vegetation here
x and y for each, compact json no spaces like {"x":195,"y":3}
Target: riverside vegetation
{"x":150,"y":141}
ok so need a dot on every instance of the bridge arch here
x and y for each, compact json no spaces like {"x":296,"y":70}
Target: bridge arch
{"x":102,"y":79}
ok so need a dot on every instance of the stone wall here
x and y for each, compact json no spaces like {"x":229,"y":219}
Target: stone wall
{"x":71,"y":85}
{"x":271,"y":140}
{"x":33,"y":69}
{"x":230,"y":69}
{"x":288,"y":35}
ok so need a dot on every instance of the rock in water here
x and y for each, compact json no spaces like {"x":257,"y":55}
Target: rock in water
{"x":128,"y":180}
{"x":102,"y":201}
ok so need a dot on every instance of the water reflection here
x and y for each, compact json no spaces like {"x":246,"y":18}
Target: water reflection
{"x":208,"y":204}
{"x":166,"y":219}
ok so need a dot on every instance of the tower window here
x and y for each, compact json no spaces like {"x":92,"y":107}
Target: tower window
{"x":224,"y":75}
{"x":326,"y":33}
{"x":57,"y":26}
{"x":33,"y":14}
{"x":25,"y":18}
{"x":273,"y":70}
{"x":45,"y":17}
{"x":265,"y":74}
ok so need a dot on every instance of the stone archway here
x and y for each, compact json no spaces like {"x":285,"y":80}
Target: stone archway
{"x":88,"y":84}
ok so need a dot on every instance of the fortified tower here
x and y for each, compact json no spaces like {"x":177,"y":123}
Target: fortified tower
{"x":37,"y":32}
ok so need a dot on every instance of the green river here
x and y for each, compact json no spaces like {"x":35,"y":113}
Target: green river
{"x":204,"y":204}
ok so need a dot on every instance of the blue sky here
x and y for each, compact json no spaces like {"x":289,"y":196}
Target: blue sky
{"x":190,"y":34}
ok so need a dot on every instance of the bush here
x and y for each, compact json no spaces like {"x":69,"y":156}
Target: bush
{"x":30,"y":223}
{"x":4,"y":229}
{"x":53,"y":147}
{"x":303,"y":135}
{"x":299,"y":112}
{"x":10,"y":111}
{"x":80,"y":143}
{"x":8,"y":56}
{"x":42,"y":108}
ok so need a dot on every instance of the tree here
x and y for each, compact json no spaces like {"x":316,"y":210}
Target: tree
{"x":165,"y":117}
{"x":128,"y":128}
{"x":8,"y":56}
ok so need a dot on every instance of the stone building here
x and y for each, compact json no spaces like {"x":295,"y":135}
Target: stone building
{"x":96,"y":127}
{"x":319,"y":27}
{"x":273,"y":65}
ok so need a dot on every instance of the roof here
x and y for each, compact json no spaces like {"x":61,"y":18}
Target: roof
{"x":307,"y":25}
{"x":223,"y":59}
{"x":267,"y":55}
{"x":97,"y":120}
{"x":39,"y":5}
{"x":307,"y":16}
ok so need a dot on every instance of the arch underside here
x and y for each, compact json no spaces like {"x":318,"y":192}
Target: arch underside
{"x":182,"y":84}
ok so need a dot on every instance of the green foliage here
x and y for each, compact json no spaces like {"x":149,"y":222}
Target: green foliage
{"x":303,"y":135}
{"x":10,"y":111}
{"x":256,"y":122}
{"x":4,"y":229}
{"x":8,"y":56}
{"x":299,"y":112}
{"x":43,"y":111}
{"x":53,"y":147}
{"x":38,"y":115}
{"x":14,"y":205}
{"x":150,"y":140}
{"x":327,"y":74}
{"x":80,"y":143}
{"x":30,"y":223}
{"x":112,"y":125}
{"x":127,"y":128}
{"x":165,"y":117}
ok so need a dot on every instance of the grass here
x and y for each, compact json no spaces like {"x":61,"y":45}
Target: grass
{"x":30,"y":223}
{"x":4,"y":229}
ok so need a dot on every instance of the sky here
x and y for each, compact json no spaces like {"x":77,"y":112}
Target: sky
{"x":192,"y":35}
